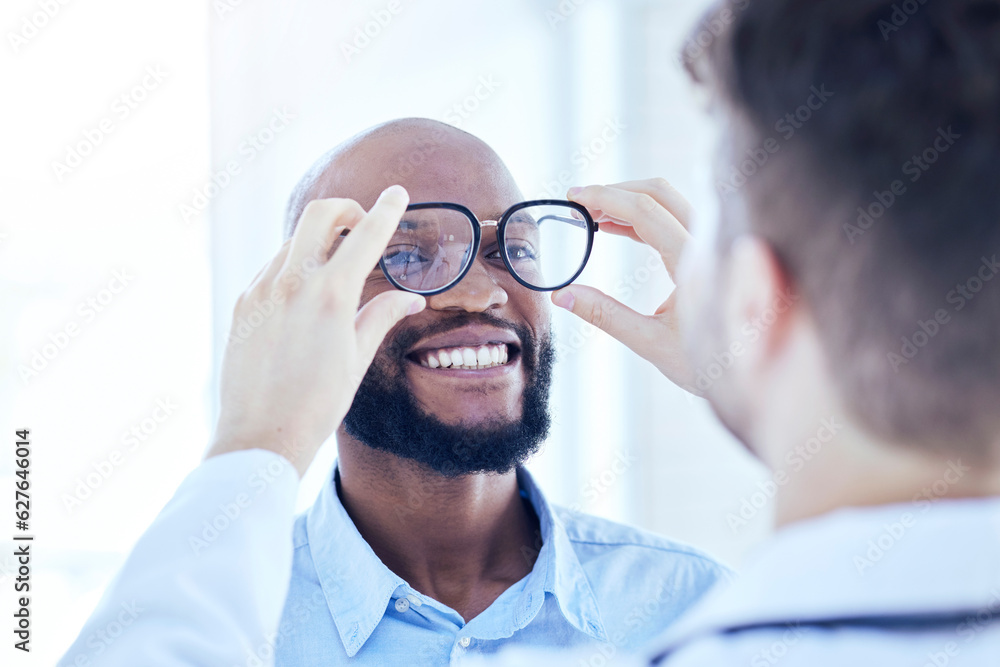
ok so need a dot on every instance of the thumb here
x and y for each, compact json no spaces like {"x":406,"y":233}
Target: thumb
{"x":611,"y":316}
{"x":380,"y":315}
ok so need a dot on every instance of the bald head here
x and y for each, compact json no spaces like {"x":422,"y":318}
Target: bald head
{"x":432,"y":160}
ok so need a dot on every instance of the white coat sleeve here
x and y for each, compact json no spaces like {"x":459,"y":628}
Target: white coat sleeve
{"x":206,"y":583}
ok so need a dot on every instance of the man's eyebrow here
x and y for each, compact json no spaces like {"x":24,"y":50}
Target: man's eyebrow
{"x":523,"y":217}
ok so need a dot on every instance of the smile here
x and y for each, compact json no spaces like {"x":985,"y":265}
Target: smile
{"x":466,"y":357}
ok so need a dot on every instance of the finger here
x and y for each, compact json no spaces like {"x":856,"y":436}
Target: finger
{"x":666,"y":195}
{"x":319,"y":225}
{"x":270,"y":270}
{"x":652,"y":223}
{"x":362,"y":248}
{"x":620,"y":230}
{"x":380,"y":315}
{"x":606,"y":313}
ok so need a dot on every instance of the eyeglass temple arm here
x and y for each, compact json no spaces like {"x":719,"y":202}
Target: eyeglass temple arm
{"x":576,"y":222}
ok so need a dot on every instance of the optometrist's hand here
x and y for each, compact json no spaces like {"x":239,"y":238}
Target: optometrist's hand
{"x":652,"y":212}
{"x":299,"y":346}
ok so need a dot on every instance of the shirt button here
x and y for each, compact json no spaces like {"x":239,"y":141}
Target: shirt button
{"x":465,"y":641}
{"x":402,"y":604}
{"x":414,"y":600}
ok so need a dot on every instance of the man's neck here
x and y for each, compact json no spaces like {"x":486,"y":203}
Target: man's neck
{"x":460,"y":540}
{"x":856,"y":470}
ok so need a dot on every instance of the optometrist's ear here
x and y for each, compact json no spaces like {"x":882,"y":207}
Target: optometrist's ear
{"x":757,"y":293}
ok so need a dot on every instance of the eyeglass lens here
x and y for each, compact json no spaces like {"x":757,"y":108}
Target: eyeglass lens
{"x":545,"y":244}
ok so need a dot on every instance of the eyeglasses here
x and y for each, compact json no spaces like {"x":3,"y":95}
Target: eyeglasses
{"x":544,"y":243}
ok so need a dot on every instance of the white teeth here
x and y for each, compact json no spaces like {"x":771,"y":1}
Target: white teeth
{"x":484,"y":356}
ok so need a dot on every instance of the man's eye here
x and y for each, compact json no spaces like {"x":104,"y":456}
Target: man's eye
{"x":398,"y":256}
{"x":491,"y":251}
{"x":521,"y":252}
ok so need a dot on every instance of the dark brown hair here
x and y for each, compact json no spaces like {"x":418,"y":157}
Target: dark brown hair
{"x":883,"y":203}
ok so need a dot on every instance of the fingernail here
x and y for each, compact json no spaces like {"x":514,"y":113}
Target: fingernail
{"x":564,"y":299}
{"x":417,"y":306}
{"x":574,"y":191}
{"x":394,"y":190}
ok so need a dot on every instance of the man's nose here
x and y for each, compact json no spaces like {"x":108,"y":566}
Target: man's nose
{"x":477,"y":292}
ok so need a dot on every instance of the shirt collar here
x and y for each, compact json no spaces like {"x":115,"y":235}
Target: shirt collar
{"x":358,"y":586}
{"x":922,"y":557}
{"x":557,"y":569}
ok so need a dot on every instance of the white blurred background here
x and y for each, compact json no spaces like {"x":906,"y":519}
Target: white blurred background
{"x":120,"y":261}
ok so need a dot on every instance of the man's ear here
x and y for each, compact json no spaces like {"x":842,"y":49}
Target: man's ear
{"x":760,"y":299}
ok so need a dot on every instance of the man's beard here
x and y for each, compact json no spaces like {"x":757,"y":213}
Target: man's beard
{"x":386,"y":416}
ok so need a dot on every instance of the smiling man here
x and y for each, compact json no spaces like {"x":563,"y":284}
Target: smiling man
{"x":431,"y":541}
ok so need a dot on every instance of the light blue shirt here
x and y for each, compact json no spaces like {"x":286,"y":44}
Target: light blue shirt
{"x":595,"y":585}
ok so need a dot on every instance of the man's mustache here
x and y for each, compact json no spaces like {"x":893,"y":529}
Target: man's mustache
{"x":400,"y":342}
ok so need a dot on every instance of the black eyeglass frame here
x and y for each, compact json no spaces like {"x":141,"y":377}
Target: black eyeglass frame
{"x":501,"y":225}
